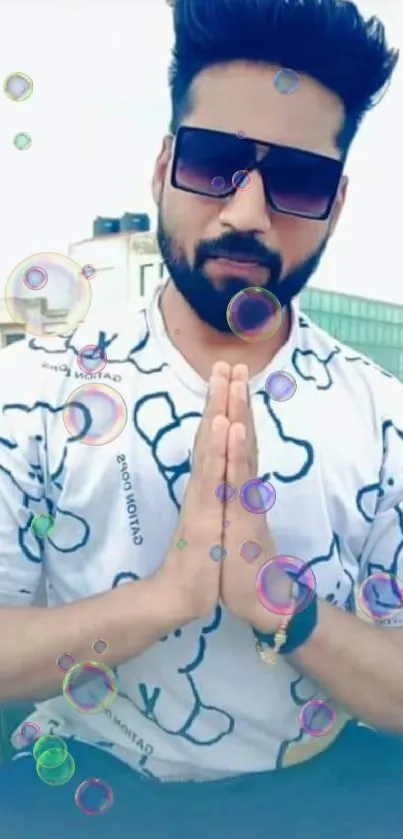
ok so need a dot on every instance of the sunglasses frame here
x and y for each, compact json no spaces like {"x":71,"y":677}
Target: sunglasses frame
{"x":255,"y":165}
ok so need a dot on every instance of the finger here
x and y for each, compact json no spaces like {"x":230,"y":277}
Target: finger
{"x":217,"y":397}
{"x":240,"y":411}
{"x":240,"y":373}
{"x":216,"y":405}
{"x":215,"y":464}
{"x":237,"y":460}
{"x":212,"y":469}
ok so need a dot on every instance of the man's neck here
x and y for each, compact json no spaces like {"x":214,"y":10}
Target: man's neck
{"x":201,"y":345}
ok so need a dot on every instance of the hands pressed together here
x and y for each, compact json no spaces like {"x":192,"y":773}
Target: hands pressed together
{"x":225,"y":451}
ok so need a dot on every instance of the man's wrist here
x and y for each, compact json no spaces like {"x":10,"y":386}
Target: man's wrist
{"x":299,"y":629}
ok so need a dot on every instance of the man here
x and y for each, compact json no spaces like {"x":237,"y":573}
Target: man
{"x":161,"y":536}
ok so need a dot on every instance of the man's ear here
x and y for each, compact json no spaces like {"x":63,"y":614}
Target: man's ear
{"x":161,"y":167}
{"x":338,"y":204}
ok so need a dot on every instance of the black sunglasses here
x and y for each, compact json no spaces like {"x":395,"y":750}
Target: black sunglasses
{"x":216,"y":164}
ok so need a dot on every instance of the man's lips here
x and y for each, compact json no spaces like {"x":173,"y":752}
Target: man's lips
{"x":237,"y":268}
{"x":239,"y":259}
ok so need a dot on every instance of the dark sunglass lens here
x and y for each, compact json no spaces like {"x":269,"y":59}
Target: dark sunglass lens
{"x":305,"y":185}
{"x":207,"y":160}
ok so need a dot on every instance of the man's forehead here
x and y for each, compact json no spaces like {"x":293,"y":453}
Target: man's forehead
{"x":242,"y":97}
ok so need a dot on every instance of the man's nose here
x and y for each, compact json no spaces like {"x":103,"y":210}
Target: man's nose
{"x":247,"y":211}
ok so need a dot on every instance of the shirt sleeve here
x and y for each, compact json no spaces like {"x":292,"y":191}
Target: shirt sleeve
{"x":380,"y":594}
{"x":22,"y":493}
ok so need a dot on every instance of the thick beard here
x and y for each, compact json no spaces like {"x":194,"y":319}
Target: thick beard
{"x":210,"y":304}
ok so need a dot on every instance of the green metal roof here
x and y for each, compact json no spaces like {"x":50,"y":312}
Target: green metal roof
{"x":373,"y":327}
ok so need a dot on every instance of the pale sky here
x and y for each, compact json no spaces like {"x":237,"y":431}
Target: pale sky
{"x":99,"y":110}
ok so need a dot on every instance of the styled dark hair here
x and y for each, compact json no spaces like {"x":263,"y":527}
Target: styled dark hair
{"x":328,"y":40}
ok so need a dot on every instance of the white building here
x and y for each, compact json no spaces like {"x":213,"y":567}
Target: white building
{"x":128,"y":267}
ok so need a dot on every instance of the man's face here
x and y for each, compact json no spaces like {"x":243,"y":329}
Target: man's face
{"x":234,"y":98}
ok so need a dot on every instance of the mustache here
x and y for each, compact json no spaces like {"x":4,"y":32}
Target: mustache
{"x":242,"y":248}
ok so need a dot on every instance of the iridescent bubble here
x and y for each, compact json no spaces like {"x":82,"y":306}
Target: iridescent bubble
{"x":317,"y":717}
{"x":286,"y":81}
{"x":18,"y":87}
{"x":381,"y":595}
{"x":64,"y":303}
{"x":50,"y":751}
{"x":59,"y":774}
{"x":91,"y":359}
{"x":99,"y":646}
{"x":22,"y":141}
{"x":94,"y":797}
{"x":280,"y":386}
{"x":242,"y":179}
{"x":225,"y":523}
{"x":35,"y":278}
{"x":254,"y":314}
{"x":29,"y":732}
{"x":257,"y":496}
{"x":272,"y":585}
{"x":218,"y":182}
{"x":89,"y":272}
{"x":90,"y":687}
{"x":251,"y":550}
{"x":65,"y":662}
{"x":217,"y":553}
{"x":226,"y":492}
{"x":241,"y":135}
{"x":95,"y":414}
{"x":43,"y":525}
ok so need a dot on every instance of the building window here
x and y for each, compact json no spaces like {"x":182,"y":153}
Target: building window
{"x":14,"y":336}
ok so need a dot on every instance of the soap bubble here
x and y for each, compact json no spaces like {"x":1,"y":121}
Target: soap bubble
{"x":286,"y":81}
{"x":91,"y":359}
{"x":217,"y":553}
{"x":63,"y":303}
{"x":381,"y":595}
{"x":254,"y":314}
{"x":242,"y":179}
{"x":251,"y":550}
{"x":29,"y":732}
{"x":35,"y":278}
{"x":94,"y":797}
{"x":280,"y":386}
{"x":22,"y":141}
{"x":89,"y":272}
{"x":43,"y":525}
{"x":99,"y":646}
{"x":95,"y":414}
{"x":218,"y":182}
{"x":317,"y":717}
{"x":272,"y":585}
{"x":50,"y":751}
{"x":90,"y":687}
{"x":65,"y":662}
{"x":226,"y":492}
{"x":18,"y":87}
{"x":257,"y":496}
{"x":60,"y":773}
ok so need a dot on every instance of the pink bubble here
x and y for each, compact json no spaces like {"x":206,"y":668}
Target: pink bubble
{"x":257,"y":496}
{"x":94,"y":797}
{"x":273,"y":589}
{"x":317,"y":717}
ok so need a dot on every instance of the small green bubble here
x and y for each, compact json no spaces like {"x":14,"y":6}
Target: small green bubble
{"x":181,"y":544}
{"x":43,"y":525}
{"x":22,"y":141}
